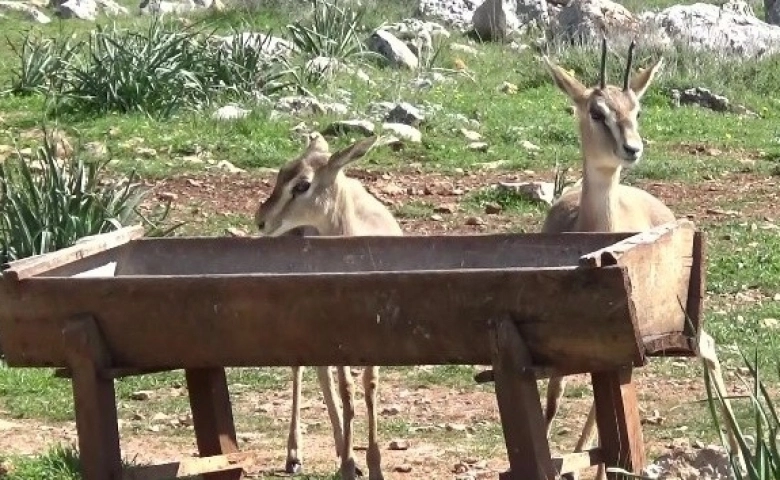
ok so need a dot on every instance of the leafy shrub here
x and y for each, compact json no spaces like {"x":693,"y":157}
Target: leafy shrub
{"x":39,"y":61}
{"x":332,"y":30}
{"x":50,"y":207}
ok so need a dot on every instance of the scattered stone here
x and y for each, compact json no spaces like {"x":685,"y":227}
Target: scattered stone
{"x":437,"y":218}
{"x":684,"y":462}
{"x":405,"y":132}
{"x":459,"y":47}
{"x":167,"y":196}
{"x":531,"y":12}
{"x":474,"y":221}
{"x":390,"y":410}
{"x":268,"y":45}
{"x":395,"y":51}
{"x":654,"y":419}
{"x":399,"y":445}
{"x":530,"y":146}
{"x":160,"y":417}
{"x":447,"y":208}
{"x":492,"y":20}
{"x":348,"y":127}
{"x":508,"y":88}
{"x":236,"y":232}
{"x":405,"y":113}
{"x":471,"y":135}
{"x":534,"y":191}
{"x":29,"y":11}
{"x":403,"y":468}
{"x":324,"y":66}
{"x":478,"y":146}
{"x":705,"y":98}
{"x":230,"y":112}
{"x":492,"y":208}
{"x":146,"y":152}
{"x":299,"y":105}
{"x":141,"y":395}
{"x":229,"y":167}
{"x":585,"y":20}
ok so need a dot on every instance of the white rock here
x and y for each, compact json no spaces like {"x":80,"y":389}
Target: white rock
{"x":459,"y":47}
{"x":110,"y":7}
{"x":586,"y":19}
{"x":82,"y":9}
{"x":325,"y":66}
{"x":405,"y":132}
{"x":269,"y":45}
{"x":536,"y":191}
{"x":709,"y":27}
{"x":394,"y":50}
{"x":28,"y":11}
{"x":405,"y":113}
{"x":230,"y":112}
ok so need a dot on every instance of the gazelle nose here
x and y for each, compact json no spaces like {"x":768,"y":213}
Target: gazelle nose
{"x":631,"y":149}
{"x":261,"y":225}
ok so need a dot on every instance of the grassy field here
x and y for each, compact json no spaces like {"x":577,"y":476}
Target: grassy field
{"x":721,"y":169}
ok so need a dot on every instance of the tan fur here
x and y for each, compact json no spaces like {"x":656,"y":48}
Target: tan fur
{"x":335,"y":205}
{"x":609,"y":141}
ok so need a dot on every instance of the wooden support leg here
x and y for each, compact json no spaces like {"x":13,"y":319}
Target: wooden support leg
{"x":518,"y":403}
{"x":617,"y":417}
{"x":95,"y":400}
{"x":212,"y":416}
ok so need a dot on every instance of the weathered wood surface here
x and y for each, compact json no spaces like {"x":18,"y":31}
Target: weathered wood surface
{"x":204,"y":256}
{"x":618,"y":422}
{"x":86,"y":247}
{"x":572,"y":318}
{"x":94,"y":399}
{"x":660,"y":262}
{"x":188,"y":467}
{"x":522,"y":419}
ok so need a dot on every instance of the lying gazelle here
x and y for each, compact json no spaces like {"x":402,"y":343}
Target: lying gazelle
{"x":610,"y":141}
{"x":313,"y":191}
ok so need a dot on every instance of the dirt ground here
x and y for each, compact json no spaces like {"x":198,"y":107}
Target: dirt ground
{"x":441,"y":456}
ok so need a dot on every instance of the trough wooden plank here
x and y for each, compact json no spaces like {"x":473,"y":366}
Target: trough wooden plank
{"x":87,"y":246}
{"x":659,"y":262}
{"x":200,"y":256}
{"x":188,"y":467}
{"x":575,"y":462}
{"x":573,"y":319}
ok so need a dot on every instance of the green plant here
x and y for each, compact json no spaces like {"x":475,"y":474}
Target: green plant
{"x":154,"y":71}
{"x":760,"y":450}
{"x":50,"y":207}
{"x":40,"y":60}
{"x":59,"y":463}
{"x":332,"y":30}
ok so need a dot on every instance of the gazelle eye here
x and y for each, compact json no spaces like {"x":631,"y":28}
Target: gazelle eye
{"x":301,"y":187}
{"x":597,"y":116}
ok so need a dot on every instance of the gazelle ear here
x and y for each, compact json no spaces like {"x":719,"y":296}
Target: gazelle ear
{"x":644,"y":78}
{"x":566,"y":82}
{"x":351,"y":153}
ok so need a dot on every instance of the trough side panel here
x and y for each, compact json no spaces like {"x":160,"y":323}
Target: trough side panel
{"x":574,"y":319}
{"x":199,"y":256}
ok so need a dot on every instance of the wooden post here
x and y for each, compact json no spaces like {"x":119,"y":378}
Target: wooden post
{"x":522,"y":419}
{"x":212,"y":416}
{"x":617,"y":416}
{"x":95,"y":400}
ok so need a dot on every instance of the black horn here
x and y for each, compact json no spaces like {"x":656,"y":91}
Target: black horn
{"x":627,"y":76}
{"x":603,"y":77}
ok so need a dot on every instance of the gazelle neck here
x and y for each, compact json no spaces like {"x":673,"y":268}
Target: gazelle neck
{"x":599,"y":191}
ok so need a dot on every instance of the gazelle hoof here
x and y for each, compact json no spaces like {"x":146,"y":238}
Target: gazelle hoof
{"x":293,"y":465}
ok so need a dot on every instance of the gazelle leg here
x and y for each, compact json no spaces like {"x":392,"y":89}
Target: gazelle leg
{"x":373,"y":454}
{"x":347,"y":392}
{"x":334,"y":409}
{"x":293,"y":463}
{"x":555,"y":388}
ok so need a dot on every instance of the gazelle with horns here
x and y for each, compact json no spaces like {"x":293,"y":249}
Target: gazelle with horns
{"x":610,"y":141}
{"x":312,"y":191}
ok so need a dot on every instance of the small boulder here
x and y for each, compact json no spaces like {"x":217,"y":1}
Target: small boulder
{"x":347,"y":127}
{"x":395,"y":51}
{"x":493,"y":21}
{"x":405,"y":113}
{"x":403,"y":131}
{"x":28,"y":11}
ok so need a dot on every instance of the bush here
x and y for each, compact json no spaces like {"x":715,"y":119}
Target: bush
{"x":157,"y":71}
{"x":332,"y":31}
{"x":50,"y":207}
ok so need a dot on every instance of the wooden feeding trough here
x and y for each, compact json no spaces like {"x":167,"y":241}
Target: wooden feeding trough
{"x":527,"y":304}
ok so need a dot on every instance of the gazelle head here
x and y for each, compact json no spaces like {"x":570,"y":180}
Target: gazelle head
{"x":608,"y":114}
{"x":306,"y":191}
